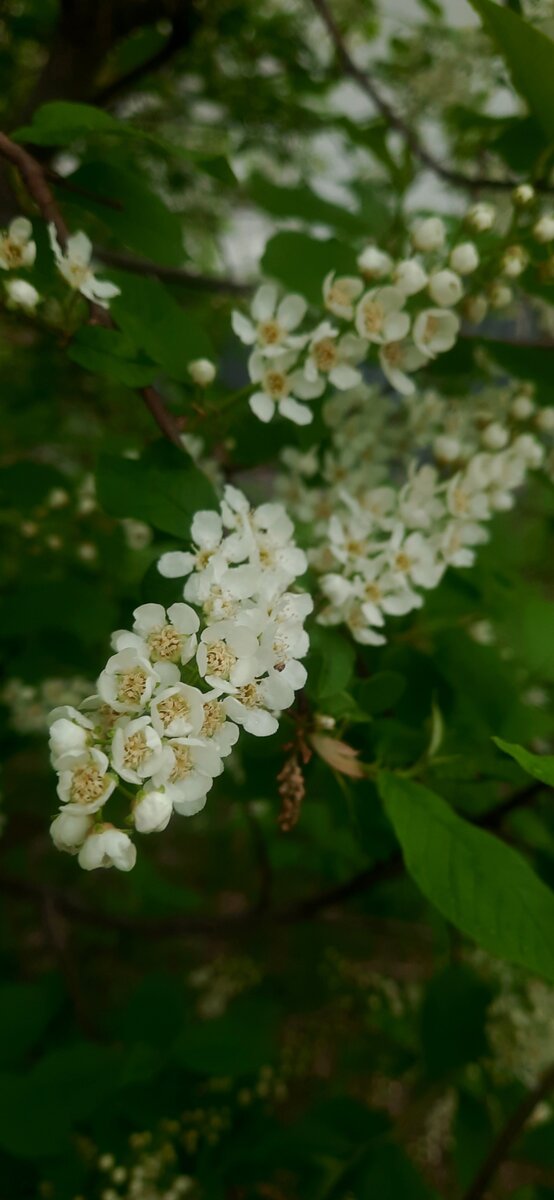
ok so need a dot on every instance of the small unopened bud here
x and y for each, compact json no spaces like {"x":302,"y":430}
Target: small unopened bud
{"x":494,"y":437}
{"x":543,"y":230}
{"x":523,"y":195}
{"x":464,"y":258}
{"x":545,"y":419}
{"x":514,"y":261}
{"x":445,"y":288}
{"x":429,"y":234}
{"x":475,"y":309}
{"x":500,"y":295}
{"x":446,"y":449}
{"x":374,"y":263}
{"x":481,"y":217}
{"x":522,"y":407}
{"x":202,"y":371}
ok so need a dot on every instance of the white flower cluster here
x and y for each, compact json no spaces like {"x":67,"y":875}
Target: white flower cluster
{"x":388,"y":521}
{"x":403,"y":309}
{"x":171,"y":698}
{"x":73,"y":263}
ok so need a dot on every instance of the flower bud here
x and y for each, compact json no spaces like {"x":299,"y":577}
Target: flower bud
{"x":464,"y":258}
{"x":500,"y":295}
{"x":202,"y":371}
{"x":481,"y":217}
{"x":514,"y":261}
{"x":543,"y":230}
{"x":494,"y":437}
{"x":69,"y":830}
{"x":523,"y":195}
{"x":445,"y":288}
{"x":429,"y":234}
{"x":374,"y":263}
{"x":446,"y":449}
{"x":545,"y":419}
{"x":22,"y":295}
{"x":409,"y":276}
{"x":522,"y":407}
{"x":475,"y":309}
{"x":152,"y":811}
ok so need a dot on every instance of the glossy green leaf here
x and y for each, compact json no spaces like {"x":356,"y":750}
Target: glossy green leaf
{"x":134,"y":214}
{"x":477,"y":882}
{"x":301,"y":262}
{"x":147,"y":313}
{"x":108,"y":352}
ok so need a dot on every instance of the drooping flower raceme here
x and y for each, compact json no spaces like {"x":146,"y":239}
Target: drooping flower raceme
{"x":171,"y":699}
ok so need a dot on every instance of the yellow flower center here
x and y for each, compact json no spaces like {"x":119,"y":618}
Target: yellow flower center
{"x":325,"y":354}
{"x":172,"y":707}
{"x":276,"y":384}
{"x":136,"y":750}
{"x":131,"y":686}
{"x":214,"y":718}
{"x":270,"y":332}
{"x":372,"y":316}
{"x":165,"y":644}
{"x":248,"y":695}
{"x":183,"y":763}
{"x":220,"y":659}
{"x":87,"y":785}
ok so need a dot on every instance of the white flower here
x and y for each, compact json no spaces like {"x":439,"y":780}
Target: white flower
{"x":17,"y":248}
{"x":202,"y":371}
{"x":528,"y":449}
{"x":543,"y":229}
{"x":223,"y":734}
{"x":464,"y":258}
{"x":340,"y":293}
{"x":74,"y":264}
{"x":127,"y":681}
{"x":413,"y":559}
{"x":228,"y":655}
{"x":187,"y":773}
{"x":333,"y":357}
{"x":429,"y":234}
{"x":522,"y":407}
{"x":481,"y":217}
{"x":69,"y":735}
{"x":272,"y":324}
{"x":206,"y":534}
{"x":152,"y":810}
{"x":177,"y":710}
{"x":161,"y":637}
{"x":435,"y":331}
{"x":409,"y":276}
{"x":456,"y":542}
{"x":107,"y":847}
{"x":467,"y":495}
{"x":380,"y":316}
{"x":445,"y":288}
{"x":250,"y":704}
{"x":374,"y":263}
{"x":21,"y":295}
{"x":136,"y":751}
{"x":544,"y":419}
{"x":69,"y":830}
{"x":398,"y":360}
{"x":85,"y":785}
{"x":281,"y":389}
{"x":495,"y":436}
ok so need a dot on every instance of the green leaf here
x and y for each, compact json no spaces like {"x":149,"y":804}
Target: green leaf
{"x":479,"y":884}
{"x":301,"y":262}
{"x":529,"y":55}
{"x":152,"y":319}
{"x":453,"y":1020}
{"x":108,"y":352}
{"x":540,"y":766}
{"x":141,"y":220}
{"x":26,"y":1010}
{"x":60,"y":121}
{"x":163,"y":488}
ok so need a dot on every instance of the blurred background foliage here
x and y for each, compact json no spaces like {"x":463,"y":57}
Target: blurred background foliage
{"x":250,"y":1014}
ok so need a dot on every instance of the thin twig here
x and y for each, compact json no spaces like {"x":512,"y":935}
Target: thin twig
{"x":192,"y":279}
{"x":34,"y":177}
{"x":395,"y":121}
{"x":508,"y":1135}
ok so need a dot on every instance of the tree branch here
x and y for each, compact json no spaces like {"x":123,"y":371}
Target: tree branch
{"x":395,"y":121}
{"x":142,"y":266}
{"x":508,"y":1135}
{"x":34,"y":177}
